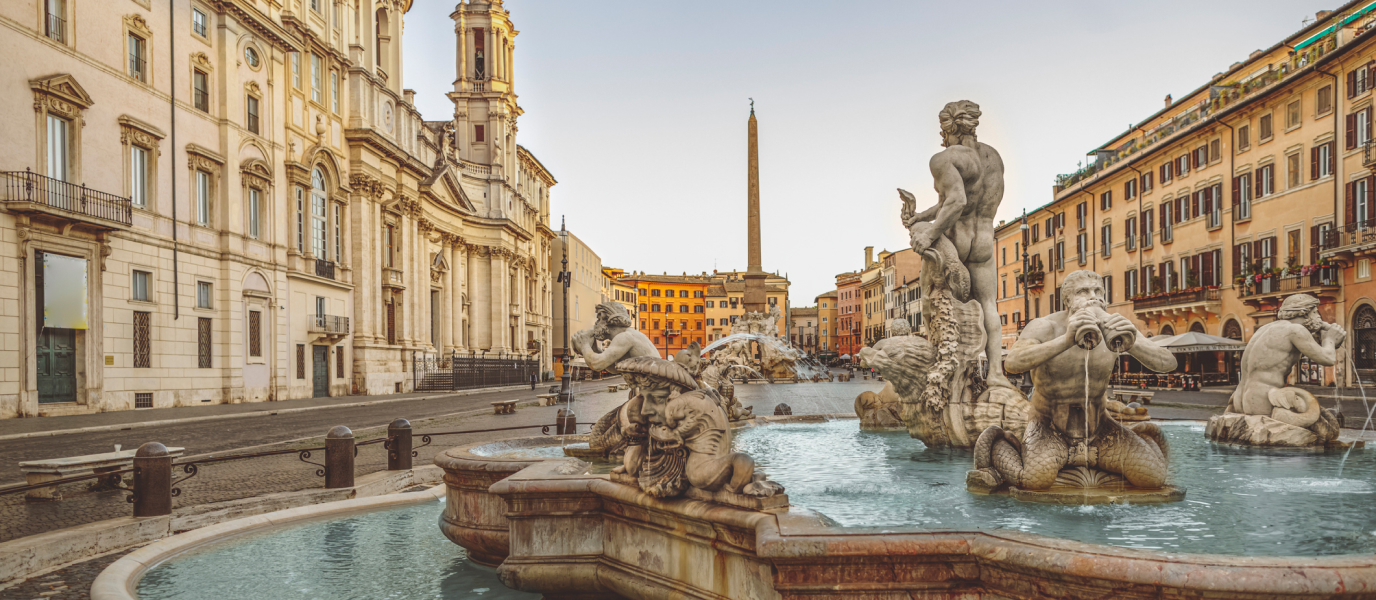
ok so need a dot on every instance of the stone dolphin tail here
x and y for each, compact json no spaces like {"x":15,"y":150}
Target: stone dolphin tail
{"x":956,"y":274}
{"x":1138,"y":453}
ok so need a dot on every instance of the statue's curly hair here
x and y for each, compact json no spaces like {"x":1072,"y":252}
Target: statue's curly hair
{"x":1297,"y":305}
{"x":614,"y":313}
{"x":960,"y":118}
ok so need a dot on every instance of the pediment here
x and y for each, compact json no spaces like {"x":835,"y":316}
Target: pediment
{"x":443,"y":185}
{"x":64,"y":87}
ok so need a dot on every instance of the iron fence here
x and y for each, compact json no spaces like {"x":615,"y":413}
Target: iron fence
{"x":27,"y":186}
{"x":454,"y":371}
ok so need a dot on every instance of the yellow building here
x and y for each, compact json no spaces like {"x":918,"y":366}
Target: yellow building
{"x":872,"y":297}
{"x":1205,"y":215}
{"x":618,"y":290}
{"x":725,"y":302}
{"x":827,"y":326}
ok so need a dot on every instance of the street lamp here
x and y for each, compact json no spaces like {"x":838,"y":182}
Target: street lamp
{"x":565,"y":388}
{"x":1025,"y":277}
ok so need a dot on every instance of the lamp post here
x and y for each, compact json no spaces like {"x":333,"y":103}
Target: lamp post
{"x":1025,"y":277}
{"x":565,"y":388}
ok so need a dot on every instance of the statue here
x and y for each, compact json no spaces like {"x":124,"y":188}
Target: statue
{"x":946,"y":397}
{"x":1070,"y":355}
{"x":613,"y":327}
{"x":1263,"y":410}
{"x":690,"y":359}
{"x":903,"y":360}
{"x":685,"y":435}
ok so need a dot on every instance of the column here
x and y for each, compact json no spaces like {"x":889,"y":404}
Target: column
{"x":491,"y":55}
{"x":461,"y":39}
{"x":456,"y":262}
{"x":365,"y":273}
{"x":500,"y":310}
{"x":480,"y":298}
{"x":408,"y":264}
{"x":376,"y":314}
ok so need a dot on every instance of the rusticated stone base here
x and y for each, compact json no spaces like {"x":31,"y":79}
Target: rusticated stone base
{"x":961,"y":421}
{"x":1259,"y":430}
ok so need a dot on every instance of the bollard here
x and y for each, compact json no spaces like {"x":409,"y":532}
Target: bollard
{"x":339,"y":458}
{"x":782,"y":409}
{"x":152,"y":481}
{"x":399,"y":447}
{"x":566,"y":423}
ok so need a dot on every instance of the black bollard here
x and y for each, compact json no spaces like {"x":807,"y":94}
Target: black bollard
{"x":566,"y":423}
{"x":399,"y":446}
{"x":782,"y":409}
{"x":152,"y":481}
{"x":339,"y":458}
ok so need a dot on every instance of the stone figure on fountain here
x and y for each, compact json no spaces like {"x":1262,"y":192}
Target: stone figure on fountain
{"x":690,"y":358}
{"x":615,"y":328}
{"x":1070,"y":439}
{"x":680,"y":437}
{"x":947,"y":401}
{"x":902,"y":358}
{"x":1263,"y":410}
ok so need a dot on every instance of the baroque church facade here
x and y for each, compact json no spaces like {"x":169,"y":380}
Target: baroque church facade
{"x":222,"y":201}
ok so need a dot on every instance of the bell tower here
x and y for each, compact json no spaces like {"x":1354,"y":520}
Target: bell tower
{"x":484,"y":97}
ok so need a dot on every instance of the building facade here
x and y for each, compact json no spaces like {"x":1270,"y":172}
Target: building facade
{"x":802,"y":330}
{"x":586,"y":287}
{"x":848,"y":315}
{"x":827,"y":325}
{"x":261,"y":214}
{"x":726,"y":301}
{"x":672,"y":310}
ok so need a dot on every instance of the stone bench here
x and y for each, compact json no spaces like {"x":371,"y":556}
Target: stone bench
{"x":39,"y":471}
{"x":611,"y":388}
{"x":1128,"y":397}
{"x":548,"y":399}
{"x":504,"y":407}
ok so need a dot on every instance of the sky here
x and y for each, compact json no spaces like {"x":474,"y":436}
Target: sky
{"x":639,"y":108}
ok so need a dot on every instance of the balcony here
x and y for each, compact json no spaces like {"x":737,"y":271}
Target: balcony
{"x":28,"y":192}
{"x":392,"y":278}
{"x":328,"y":325}
{"x":1267,"y":294}
{"x":1033,"y":280}
{"x":673,"y":332}
{"x":324,"y":268}
{"x":1184,"y":302}
{"x":1349,"y":241}
{"x":1368,"y":157}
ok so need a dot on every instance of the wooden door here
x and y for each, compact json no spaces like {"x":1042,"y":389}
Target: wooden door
{"x":320,"y":369}
{"x":57,"y":365}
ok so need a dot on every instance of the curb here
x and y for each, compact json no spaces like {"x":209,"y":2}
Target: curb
{"x":256,"y":413}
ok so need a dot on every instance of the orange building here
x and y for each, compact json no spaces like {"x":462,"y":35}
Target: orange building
{"x":848,"y":315}
{"x":672,"y":309}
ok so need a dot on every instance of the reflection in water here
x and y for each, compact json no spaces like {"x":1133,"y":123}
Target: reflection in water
{"x":398,"y":554}
{"x":1241,"y":501}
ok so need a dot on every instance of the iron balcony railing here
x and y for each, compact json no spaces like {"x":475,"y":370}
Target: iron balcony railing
{"x":57,"y":29}
{"x":324,"y":268}
{"x":1321,"y":278}
{"x":1368,"y":157}
{"x":1351,"y":234}
{"x":27,"y":186}
{"x":328,"y":324}
{"x":1177,"y":298}
{"x":1034,"y":280}
{"x":137,"y":67}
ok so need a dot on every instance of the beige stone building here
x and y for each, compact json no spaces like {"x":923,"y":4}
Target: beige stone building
{"x":237,"y":201}
{"x":725,"y":301}
{"x":587,"y":287}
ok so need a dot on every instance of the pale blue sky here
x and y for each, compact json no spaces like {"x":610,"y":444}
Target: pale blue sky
{"x":639,"y":108}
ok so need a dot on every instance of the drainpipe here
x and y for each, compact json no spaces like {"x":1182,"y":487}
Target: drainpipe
{"x":172,"y":104}
{"x":1232,"y":222}
{"x":1337,"y":164}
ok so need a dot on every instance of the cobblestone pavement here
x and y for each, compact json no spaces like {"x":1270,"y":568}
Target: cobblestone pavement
{"x":72,"y":582}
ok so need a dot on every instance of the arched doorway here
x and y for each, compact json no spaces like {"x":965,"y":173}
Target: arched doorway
{"x":1364,"y":325}
{"x":1197,"y":327}
{"x":1167,"y":330}
{"x":1231,"y":360}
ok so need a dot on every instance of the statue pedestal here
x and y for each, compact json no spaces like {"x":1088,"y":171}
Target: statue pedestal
{"x":1075,"y":486}
{"x":1260,"y":430}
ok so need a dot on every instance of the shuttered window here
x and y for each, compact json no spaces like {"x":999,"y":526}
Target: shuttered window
{"x":143,"y":335}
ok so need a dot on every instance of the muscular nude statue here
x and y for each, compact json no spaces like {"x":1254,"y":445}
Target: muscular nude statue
{"x":1070,"y":425}
{"x":1271,"y":354}
{"x":614,"y":325}
{"x":969,"y":184}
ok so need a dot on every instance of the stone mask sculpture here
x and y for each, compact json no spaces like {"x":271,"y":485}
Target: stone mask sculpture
{"x":1071,"y":440}
{"x":1263,"y":410}
{"x":939,"y":380}
{"x":680,"y":436}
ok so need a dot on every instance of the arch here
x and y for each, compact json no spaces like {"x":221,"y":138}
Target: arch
{"x":251,"y":150}
{"x":255,"y":280}
{"x":1232,"y":330}
{"x":1197,"y":327}
{"x":1364,"y":329}
{"x":1166,"y":330}
{"x":321,"y":156}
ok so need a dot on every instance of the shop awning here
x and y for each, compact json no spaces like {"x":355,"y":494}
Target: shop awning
{"x":1194,"y":341}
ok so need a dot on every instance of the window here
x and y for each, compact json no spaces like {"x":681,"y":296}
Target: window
{"x":1108,"y":289}
{"x":654,"y":293}
{"x":315,"y":78}
{"x":251,"y":103}
{"x":198,"y":22}
{"x":1292,"y":174}
{"x":478,"y":134}
{"x":318,"y":215}
{"x":683,"y":293}
{"x":1323,"y":99}
{"x":251,"y":56}
{"x":1213,"y":150}
{"x":315,"y":5}
{"x":1105,"y":238}
{"x":138,"y":286}
{"x":1265,"y":181}
{"x":1264,"y":128}
{"x":1081,"y":247}
{"x":1182,"y":165}
{"x":1060,"y":256}
{"x":255,"y":212}
{"x":203,"y":198}
{"x":1147,"y":232}
{"x":1292,"y":114}
{"x":1166,"y":172}
{"x":1364,"y":268}
{"x":301,"y":227}
{"x":338,"y":241}
{"x":1242,"y":197}
{"x":138,"y":176}
{"x":138,"y":64}
{"x":654,"y":308}
{"x":58,"y":147}
{"x":1362,"y":197}
{"x":1167,"y":220}
{"x":1106,"y":200}
{"x":1244,"y":138}
{"x":1130,"y":279}
{"x":301,"y":361}
{"x":1215,"y":206}
{"x":334,"y":91}
{"x":1130,"y":233}
{"x":1322,"y":160}
{"x":255,"y":333}
{"x":1082,"y":210}
{"x":296,"y":70}
{"x":54,"y":25}
{"x":143,"y":345}
{"x":1146,"y":182}
{"x":202,"y":294}
{"x":200,"y":90}
{"x":697,"y":309}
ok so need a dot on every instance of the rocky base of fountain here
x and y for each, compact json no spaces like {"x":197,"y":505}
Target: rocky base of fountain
{"x":1261,"y":430}
{"x":1075,"y":486}
{"x":961,"y":421}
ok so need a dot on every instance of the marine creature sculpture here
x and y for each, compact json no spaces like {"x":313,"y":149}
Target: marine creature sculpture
{"x":614,"y":327}
{"x":1070,"y":438}
{"x":1263,"y":410}
{"x":679,"y":436}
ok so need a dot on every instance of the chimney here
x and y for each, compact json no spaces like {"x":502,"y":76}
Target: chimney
{"x":1168,"y":101}
{"x":1321,"y":15}
{"x":869,"y":256}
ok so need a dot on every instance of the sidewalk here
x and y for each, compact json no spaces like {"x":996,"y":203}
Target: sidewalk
{"x":131,"y":419}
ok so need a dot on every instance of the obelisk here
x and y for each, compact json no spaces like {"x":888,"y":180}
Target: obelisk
{"x":754,"y":300}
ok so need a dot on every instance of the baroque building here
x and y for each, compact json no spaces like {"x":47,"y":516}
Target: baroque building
{"x":237,"y":201}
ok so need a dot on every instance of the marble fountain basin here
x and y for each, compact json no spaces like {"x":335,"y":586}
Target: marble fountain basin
{"x":876,"y":514}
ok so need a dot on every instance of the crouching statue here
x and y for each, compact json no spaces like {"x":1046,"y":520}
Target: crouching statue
{"x":1263,"y":410}
{"x":677,"y":436}
{"x":1070,"y":439}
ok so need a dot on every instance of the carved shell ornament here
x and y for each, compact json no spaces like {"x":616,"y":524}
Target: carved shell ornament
{"x":200,"y":58}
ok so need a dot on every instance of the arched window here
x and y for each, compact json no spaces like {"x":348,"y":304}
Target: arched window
{"x":1197,"y":327}
{"x":1167,"y":330}
{"x":318,"y":215}
{"x":1232,"y":330}
{"x":380,"y":37}
{"x":1365,"y":326}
